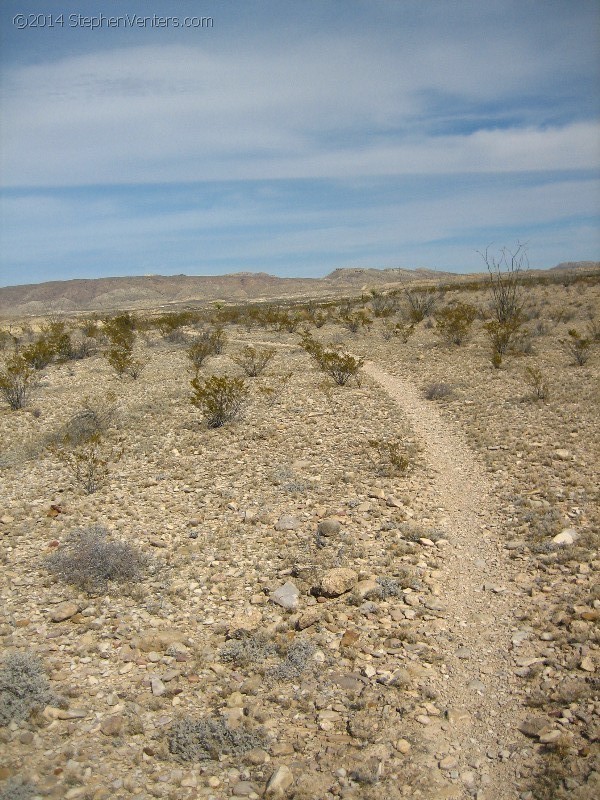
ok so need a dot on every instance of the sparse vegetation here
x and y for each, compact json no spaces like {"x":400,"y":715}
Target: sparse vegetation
{"x":17,"y":379}
{"x":207,"y":738}
{"x":438,"y":391}
{"x":453,"y":323}
{"x":254,"y":360}
{"x":578,"y":347}
{"x":24,"y":687}
{"x":220,"y":399}
{"x":91,"y":560}
{"x":538,"y":383}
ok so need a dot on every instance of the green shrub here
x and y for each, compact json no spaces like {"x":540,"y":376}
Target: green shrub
{"x":536,"y":380}
{"x":503,"y":335}
{"x":206,"y":739}
{"x":91,"y":561}
{"x":23,"y":687}
{"x":254,"y":361}
{"x":578,"y":347}
{"x":392,"y":457}
{"x":219,"y":398}
{"x":17,"y":379}
{"x":453,"y":323}
{"x":38,"y":354}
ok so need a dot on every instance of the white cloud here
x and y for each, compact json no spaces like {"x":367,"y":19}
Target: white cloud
{"x":162,"y":114}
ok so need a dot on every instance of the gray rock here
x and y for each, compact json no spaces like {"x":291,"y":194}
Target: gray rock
{"x":64,"y":611}
{"x":279,"y":781}
{"x":567,"y":536}
{"x":287,"y":523}
{"x":329,"y":527}
{"x":286,"y":596}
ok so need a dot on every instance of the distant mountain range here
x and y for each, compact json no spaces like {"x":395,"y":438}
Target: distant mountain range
{"x":155,"y":291}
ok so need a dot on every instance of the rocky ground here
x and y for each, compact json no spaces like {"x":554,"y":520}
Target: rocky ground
{"x":314,"y":618}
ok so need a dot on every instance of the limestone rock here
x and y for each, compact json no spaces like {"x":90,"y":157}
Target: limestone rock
{"x":286,"y":596}
{"x":337,"y":581}
{"x":64,"y":611}
{"x":279,"y":781}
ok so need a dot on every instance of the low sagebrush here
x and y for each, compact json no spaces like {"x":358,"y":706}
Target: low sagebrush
{"x":23,"y":687}
{"x":90,"y":560}
{"x":206,"y":738}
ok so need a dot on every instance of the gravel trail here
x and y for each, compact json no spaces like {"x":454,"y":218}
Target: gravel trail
{"x":477,"y":743}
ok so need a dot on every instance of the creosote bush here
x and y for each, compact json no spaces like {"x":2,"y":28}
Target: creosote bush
{"x":578,"y":347}
{"x":254,"y":360}
{"x":17,"y":379}
{"x":23,"y":687}
{"x":90,"y":560}
{"x":392,"y":457}
{"x":220,"y":399}
{"x":339,"y":366}
{"x":206,"y":739}
{"x":453,"y":323}
{"x":536,"y":380}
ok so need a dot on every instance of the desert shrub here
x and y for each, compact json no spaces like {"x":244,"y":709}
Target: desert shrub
{"x":246,"y":648}
{"x":15,"y":790}
{"x":340,"y":366}
{"x":593,"y":330}
{"x":453,"y":323}
{"x":91,"y":560}
{"x":17,"y":379}
{"x":6,"y":339}
{"x":58,"y":336}
{"x":206,"y":739}
{"x":578,"y":347}
{"x":199,"y":350}
{"x":421,"y":303}
{"x":23,"y":687}
{"x":254,"y":361}
{"x":534,"y":377}
{"x":218,"y":339}
{"x":503,"y":335}
{"x":170,"y":325}
{"x":88,"y":461}
{"x":219,"y":398}
{"x":354,"y":321}
{"x":505,"y":271}
{"x":38,"y":354}
{"x":390,"y":456}
{"x":383,"y":305}
{"x":402,"y":330}
{"x":296,"y":660}
{"x":437,"y":391}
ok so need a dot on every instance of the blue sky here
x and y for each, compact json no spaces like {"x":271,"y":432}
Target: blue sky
{"x":296,"y":137}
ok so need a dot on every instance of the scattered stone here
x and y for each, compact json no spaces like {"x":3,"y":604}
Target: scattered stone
{"x":532,"y":726}
{"x":64,"y":611}
{"x":568,"y":536}
{"x":112,"y":726}
{"x":337,"y":581}
{"x":286,"y":596}
{"x":279,"y":782}
{"x":587,"y":664}
{"x":287,"y":523}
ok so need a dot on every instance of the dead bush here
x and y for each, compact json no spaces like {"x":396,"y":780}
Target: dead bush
{"x":24,"y":687}
{"x":438,"y":391}
{"x":90,"y":560}
{"x":207,"y":739}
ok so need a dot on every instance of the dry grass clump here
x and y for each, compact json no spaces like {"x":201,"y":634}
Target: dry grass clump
{"x":438,"y":391}
{"x":296,"y":660}
{"x":90,"y":560}
{"x":207,"y":739}
{"x":246,"y":648}
{"x":24,"y":687}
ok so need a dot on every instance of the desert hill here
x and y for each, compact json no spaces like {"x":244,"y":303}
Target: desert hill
{"x":151,"y":291}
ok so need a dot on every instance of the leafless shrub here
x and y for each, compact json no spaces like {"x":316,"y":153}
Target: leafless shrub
{"x":91,"y":560}
{"x":23,"y":687}
{"x":578,"y":347}
{"x":207,"y":738}
{"x":438,"y":391}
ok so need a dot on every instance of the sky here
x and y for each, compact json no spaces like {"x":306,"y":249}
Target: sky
{"x":295,"y":137}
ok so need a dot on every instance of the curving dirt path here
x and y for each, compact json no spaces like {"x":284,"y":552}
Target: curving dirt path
{"x":476,"y":745}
